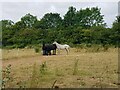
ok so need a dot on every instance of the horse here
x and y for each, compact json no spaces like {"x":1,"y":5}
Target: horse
{"x":59,"y":47}
{"x":47,"y":49}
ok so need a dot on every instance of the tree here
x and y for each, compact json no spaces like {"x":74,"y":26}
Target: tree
{"x":100,"y":35}
{"x":18,"y":25}
{"x":50,"y":20}
{"x":83,"y":26}
{"x":28,"y":21}
{"x":115,"y":36}
{"x":90,"y":17}
{"x":7,"y":32}
{"x":69,"y":18}
{"x":6,"y":24}
{"x":26,"y":37}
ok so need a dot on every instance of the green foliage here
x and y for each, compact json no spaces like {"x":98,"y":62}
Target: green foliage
{"x":69,"y":18}
{"x":115,"y":36}
{"x":28,"y":20}
{"x":89,"y":17}
{"x":49,"y":20}
{"x":37,"y":50}
{"x":85,"y":26}
{"x":6,"y":24}
{"x":6,"y":76}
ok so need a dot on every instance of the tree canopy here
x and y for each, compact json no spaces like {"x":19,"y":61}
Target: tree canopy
{"x":76,"y":27}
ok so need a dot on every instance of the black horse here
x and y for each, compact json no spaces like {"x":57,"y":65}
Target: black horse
{"x":47,"y":49}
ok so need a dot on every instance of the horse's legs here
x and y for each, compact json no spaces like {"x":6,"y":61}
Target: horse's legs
{"x":66,"y":50}
{"x":47,"y":52}
{"x":50,"y":52}
{"x":69,"y":49}
{"x":54,"y":52}
{"x":59,"y":51}
{"x":44,"y":52}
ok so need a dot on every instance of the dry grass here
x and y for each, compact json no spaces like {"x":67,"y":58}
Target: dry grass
{"x":94,"y":69}
{"x":17,"y":53}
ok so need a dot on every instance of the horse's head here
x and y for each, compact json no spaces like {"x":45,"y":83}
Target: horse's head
{"x":55,"y":42}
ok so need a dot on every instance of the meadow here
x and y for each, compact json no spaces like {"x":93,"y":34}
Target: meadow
{"x":81,"y":68}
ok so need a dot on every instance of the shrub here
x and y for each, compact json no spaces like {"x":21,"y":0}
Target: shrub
{"x":37,"y":50}
{"x":106,"y":47}
{"x":6,"y":76}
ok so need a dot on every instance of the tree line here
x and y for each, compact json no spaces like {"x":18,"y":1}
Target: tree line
{"x":84,"y":26}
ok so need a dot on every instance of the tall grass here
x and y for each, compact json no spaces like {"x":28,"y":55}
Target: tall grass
{"x":75,"y":68}
{"x":69,"y":71}
{"x":34,"y":79}
{"x":43,"y":68}
{"x":37,"y":74}
{"x":17,"y":53}
{"x":6,"y":73}
{"x":92,"y":48}
{"x":101,"y":78}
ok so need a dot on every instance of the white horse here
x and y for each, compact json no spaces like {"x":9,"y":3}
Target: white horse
{"x":59,"y":47}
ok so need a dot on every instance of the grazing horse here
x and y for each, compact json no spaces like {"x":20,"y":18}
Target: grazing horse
{"x":47,"y":49}
{"x":59,"y":46}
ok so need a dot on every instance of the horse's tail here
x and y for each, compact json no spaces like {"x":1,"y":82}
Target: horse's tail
{"x":43,"y":45}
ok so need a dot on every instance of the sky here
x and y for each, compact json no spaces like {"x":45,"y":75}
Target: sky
{"x":15,"y":10}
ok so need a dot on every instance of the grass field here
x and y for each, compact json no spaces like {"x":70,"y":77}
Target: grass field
{"x":79,"y":69}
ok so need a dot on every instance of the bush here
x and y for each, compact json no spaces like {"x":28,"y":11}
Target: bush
{"x":6,"y":76}
{"x":106,"y":47}
{"x":37,"y":50}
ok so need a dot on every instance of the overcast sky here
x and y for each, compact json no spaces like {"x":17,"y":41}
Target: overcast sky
{"x":15,"y":10}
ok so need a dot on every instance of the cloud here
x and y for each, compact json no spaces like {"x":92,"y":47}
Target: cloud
{"x":53,"y":9}
{"x":119,"y":8}
{"x":15,"y":10}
